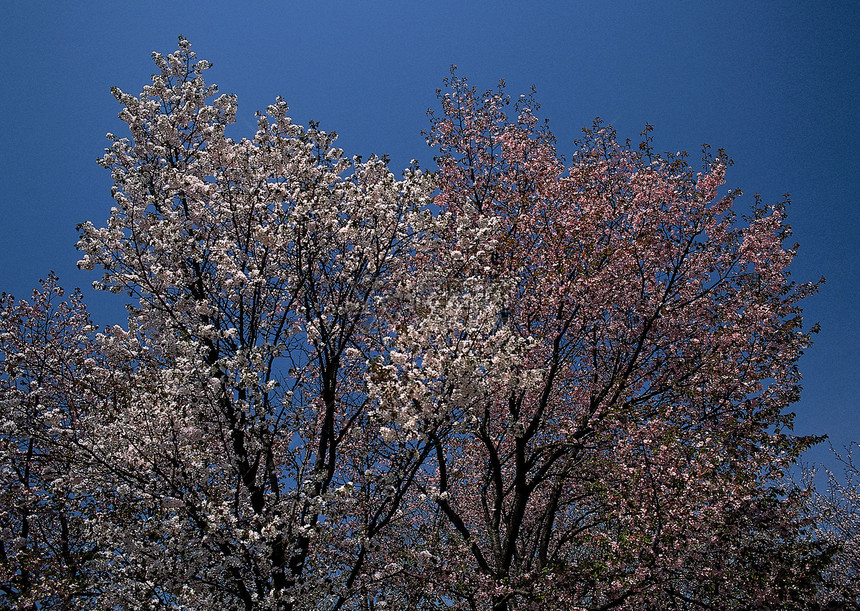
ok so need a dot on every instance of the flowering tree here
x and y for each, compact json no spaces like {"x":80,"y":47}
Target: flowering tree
{"x":609,"y":355}
{"x":518,"y":382}
{"x":46,"y":553}
{"x":839,"y":508}
{"x":246,"y":451}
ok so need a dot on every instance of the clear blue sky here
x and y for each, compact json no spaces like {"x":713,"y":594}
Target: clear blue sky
{"x":776,"y":84}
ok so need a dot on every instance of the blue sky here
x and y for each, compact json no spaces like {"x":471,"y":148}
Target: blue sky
{"x":774,"y":83}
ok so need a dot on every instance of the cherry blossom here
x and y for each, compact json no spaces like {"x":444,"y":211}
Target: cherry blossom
{"x":520,"y":381}
{"x":838,"y":510}
{"x":604,"y":355}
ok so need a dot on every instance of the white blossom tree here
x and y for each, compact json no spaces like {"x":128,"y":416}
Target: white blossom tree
{"x":248,"y":451}
{"x":838,"y":513}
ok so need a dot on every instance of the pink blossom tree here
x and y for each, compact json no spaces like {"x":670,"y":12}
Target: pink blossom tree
{"x":607,"y":355}
{"x":519,"y":382}
{"x":47,"y":350}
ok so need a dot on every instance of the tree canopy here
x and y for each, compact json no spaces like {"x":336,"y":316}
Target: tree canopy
{"x":517,"y":381}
